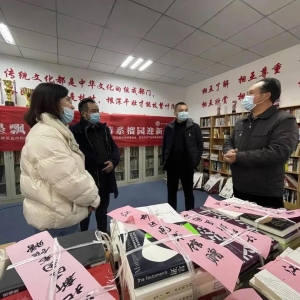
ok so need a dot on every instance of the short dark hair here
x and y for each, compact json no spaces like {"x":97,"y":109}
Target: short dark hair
{"x":83,"y":104}
{"x":177,"y":104}
{"x":273,"y":86}
{"x":45,"y":99}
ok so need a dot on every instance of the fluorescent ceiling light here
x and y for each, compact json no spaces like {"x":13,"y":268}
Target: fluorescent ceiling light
{"x":127,"y":61}
{"x":145,"y":65}
{"x":6,"y":34}
{"x":137,"y":63}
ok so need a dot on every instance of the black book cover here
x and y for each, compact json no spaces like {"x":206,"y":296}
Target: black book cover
{"x":154,"y":262}
{"x":87,"y":255}
{"x":275,"y":225}
{"x":12,"y":283}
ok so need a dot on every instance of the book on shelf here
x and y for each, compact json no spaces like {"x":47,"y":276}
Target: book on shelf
{"x":205,"y":122}
{"x":233,"y":119}
{"x":214,"y":156}
{"x":220,"y":121}
{"x":206,"y":145}
{"x":292,"y":165}
{"x":297,"y":151}
{"x":290,"y":196}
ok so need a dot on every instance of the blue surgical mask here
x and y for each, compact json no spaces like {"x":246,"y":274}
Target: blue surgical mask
{"x":183,"y":115}
{"x":67,"y":116}
{"x":248,"y":102}
{"x":95,"y":118}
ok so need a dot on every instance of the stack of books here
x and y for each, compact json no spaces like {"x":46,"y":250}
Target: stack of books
{"x":280,"y":279}
{"x":285,"y":231}
{"x":155,"y":271}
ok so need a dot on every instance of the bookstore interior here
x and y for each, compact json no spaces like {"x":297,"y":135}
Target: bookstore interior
{"x":136,"y":59}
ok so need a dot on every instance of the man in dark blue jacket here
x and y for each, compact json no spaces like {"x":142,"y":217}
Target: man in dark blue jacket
{"x":101,"y":157}
{"x":181,"y":154}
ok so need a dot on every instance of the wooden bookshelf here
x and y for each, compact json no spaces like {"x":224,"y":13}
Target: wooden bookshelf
{"x":216,"y":129}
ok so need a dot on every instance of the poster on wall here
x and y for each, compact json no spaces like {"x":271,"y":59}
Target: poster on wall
{"x":127,"y":130}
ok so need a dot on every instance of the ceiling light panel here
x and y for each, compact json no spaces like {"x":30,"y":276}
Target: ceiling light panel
{"x":136,"y":63}
{"x":6,"y":34}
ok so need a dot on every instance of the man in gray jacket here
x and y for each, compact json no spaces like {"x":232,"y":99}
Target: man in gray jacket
{"x":260,"y":145}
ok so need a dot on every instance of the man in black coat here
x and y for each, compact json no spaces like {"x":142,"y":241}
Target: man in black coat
{"x":260,"y":145}
{"x":181,"y":154}
{"x":101,"y":157}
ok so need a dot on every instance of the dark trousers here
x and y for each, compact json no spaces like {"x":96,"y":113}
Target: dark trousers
{"x":100,"y":213}
{"x":185,"y":174}
{"x":273,"y":202}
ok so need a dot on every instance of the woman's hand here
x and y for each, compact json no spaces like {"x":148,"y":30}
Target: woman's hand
{"x":91,"y":209}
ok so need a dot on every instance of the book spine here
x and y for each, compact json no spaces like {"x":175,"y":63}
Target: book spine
{"x":158,"y":274}
{"x":11,"y":291}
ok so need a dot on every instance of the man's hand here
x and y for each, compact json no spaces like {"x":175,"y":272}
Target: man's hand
{"x":230,"y":156}
{"x":109,"y":167}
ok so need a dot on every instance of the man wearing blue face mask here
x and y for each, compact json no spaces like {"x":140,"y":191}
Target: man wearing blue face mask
{"x":260,"y":145}
{"x":181,"y":154}
{"x":101,"y":157}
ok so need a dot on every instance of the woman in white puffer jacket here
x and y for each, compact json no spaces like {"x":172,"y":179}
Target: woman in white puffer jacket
{"x":58,"y":192}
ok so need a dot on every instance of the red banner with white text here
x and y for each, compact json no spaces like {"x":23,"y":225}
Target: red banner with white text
{"x":127,"y":130}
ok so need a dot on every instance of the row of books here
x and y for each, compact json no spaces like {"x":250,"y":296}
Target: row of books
{"x":290,"y":196}
{"x":221,"y":133}
{"x":220,"y":121}
{"x":292,"y":165}
{"x":295,"y":113}
{"x":233,"y":119}
{"x":205,"y":122}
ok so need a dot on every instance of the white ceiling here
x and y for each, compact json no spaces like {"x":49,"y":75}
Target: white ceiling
{"x":188,"y":40}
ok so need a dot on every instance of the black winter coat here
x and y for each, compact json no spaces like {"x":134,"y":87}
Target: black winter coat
{"x":264,"y":145}
{"x":193,"y":140}
{"x":92,"y":163}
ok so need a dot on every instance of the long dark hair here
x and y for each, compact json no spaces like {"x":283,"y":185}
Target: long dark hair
{"x":45,"y":99}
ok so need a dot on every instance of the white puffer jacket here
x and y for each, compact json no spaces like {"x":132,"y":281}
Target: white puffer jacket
{"x":56,"y":187}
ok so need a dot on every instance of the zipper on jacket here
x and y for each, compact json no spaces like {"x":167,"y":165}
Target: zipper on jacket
{"x":85,"y":130}
{"x":106,"y":139}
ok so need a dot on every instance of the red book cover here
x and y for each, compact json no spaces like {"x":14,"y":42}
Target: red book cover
{"x":102,"y":274}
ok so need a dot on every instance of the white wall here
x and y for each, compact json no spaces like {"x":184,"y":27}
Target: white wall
{"x":160,"y":92}
{"x":289,"y":76}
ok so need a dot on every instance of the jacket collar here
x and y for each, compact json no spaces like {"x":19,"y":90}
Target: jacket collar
{"x":63,"y":129}
{"x":83,"y":124}
{"x":265,"y":115}
{"x":189,"y":123}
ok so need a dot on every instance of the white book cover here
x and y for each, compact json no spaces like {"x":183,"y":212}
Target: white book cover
{"x":227,"y":191}
{"x":274,"y":286}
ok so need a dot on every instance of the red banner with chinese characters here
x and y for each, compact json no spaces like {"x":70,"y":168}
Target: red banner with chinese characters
{"x":127,"y":130}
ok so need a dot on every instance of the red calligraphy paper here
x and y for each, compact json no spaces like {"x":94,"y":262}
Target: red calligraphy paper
{"x":261,"y":242}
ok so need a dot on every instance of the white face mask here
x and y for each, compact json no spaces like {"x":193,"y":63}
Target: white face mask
{"x":248,"y":102}
{"x":183,"y":115}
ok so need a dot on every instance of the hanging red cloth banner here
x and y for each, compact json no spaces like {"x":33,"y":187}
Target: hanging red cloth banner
{"x":127,"y":130}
